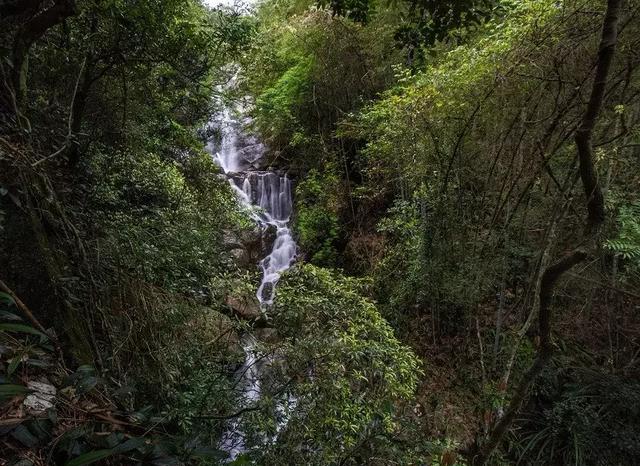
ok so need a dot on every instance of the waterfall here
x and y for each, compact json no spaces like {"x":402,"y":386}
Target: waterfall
{"x":238,"y":154}
{"x":267,"y":195}
{"x":248,"y":382}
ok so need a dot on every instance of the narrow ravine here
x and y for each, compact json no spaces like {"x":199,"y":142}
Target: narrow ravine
{"x":267,"y":196}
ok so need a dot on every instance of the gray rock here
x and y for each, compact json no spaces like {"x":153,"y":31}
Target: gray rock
{"x":41,"y":398}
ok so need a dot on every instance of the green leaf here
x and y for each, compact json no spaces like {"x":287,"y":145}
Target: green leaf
{"x":8,"y":391}
{"x":21,"y":328}
{"x":87,"y":384}
{"x":241,"y":460}
{"x":209,"y":452}
{"x":13,"y":365}
{"x":166,"y":461}
{"x":6,"y":315}
{"x":37,"y":363}
{"x":6,"y":298}
{"x":141,"y":416}
{"x":131,"y":444}
{"x":52,"y":415}
{"x":41,"y":428}
{"x":85,"y":369}
{"x":23,"y":462}
{"x":91,"y":457}
{"x":24,"y":436}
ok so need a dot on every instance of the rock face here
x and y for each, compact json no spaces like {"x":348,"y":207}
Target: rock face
{"x":267,"y":238}
{"x":247,"y":247}
{"x":238,"y":150}
{"x":246,"y":307}
{"x":267,"y":334}
{"x":250,"y":246}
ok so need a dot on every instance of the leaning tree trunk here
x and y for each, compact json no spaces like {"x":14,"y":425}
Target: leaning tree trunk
{"x":595,"y":217}
{"x":27,"y":34}
{"x":588,"y":174}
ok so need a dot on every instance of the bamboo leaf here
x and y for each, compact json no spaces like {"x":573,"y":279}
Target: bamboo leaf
{"x":131,"y":444}
{"x":208,"y":452}
{"x":13,"y":365}
{"x":5,"y":298}
{"x":91,"y":457}
{"x":21,"y":328}
{"x":8,"y":391}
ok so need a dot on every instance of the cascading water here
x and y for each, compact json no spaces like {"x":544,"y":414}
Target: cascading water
{"x":238,"y":154}
{"x":267,"y":195}
{"x":233,"y":441}
{"x":274,"y":197}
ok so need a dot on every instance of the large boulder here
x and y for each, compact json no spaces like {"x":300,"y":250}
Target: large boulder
{"x":249,"y":247}
{"x":245,"y":307}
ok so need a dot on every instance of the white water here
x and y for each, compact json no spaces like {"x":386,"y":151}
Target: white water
{"x":233,"y":439}
{"x":238,"y":155}
{"x":268,"y":197}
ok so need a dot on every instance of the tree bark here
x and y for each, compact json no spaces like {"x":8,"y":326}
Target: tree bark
{"x":545,"y":351}
{"x":77,"y":110}
{"x":584,"y":134}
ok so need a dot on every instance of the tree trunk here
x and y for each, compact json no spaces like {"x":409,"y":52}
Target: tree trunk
{"x":584,"y":134}
{"x":595,"y":217}
{"x":549,"y":279}
{"x":27,"y":34}
{"x":77,"y":110}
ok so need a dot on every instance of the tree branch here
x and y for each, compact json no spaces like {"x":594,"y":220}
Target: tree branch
{"x":27,"y":312}
{"x":545,"y":351}
{"x":28,"y":33}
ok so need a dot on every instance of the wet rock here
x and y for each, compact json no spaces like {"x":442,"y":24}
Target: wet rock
{"x":268,"y":237}
{"x":245,"y":246}
{"x":268,"y":335}
{"x":249,"y":247}
{"x":266,"y":291}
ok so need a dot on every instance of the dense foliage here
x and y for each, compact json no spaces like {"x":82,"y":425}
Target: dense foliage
{"x":461,"y":295}
{"x":453,"y":183}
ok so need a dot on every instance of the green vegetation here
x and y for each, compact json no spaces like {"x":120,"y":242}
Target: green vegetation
{"x":466,"y":211}
{"x":317,"y":219}
{"x":351,"y":371}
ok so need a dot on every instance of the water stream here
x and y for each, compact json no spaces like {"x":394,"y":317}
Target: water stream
{"x":267,"y":195}
{"x":239,"y":155}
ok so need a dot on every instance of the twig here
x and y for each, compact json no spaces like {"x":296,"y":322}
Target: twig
{"x":23,"y":307}
{"x":69,"y":121}
{"x":604,"y":285}
{"x":38,"y":162}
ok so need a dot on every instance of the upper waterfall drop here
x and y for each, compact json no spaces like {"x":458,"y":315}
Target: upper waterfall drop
{"x":239,"y":155}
